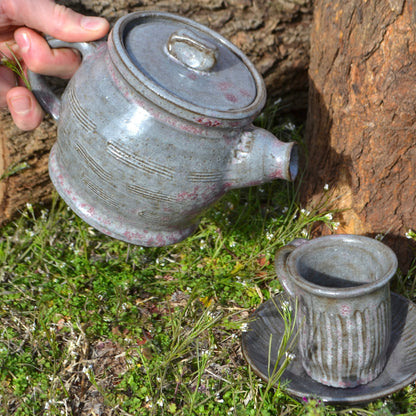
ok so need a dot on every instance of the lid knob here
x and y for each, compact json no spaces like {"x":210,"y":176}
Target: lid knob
{"x":192,"y":51}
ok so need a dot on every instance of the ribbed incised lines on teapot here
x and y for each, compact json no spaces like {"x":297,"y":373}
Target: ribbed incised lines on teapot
{"x":78,"y":112}
{"x":101,"y":193}
{"x":134,"y":161}
{"x":92,"y":164}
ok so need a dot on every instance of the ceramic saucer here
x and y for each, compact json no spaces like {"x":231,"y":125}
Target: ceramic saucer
{"x":400,"y":369}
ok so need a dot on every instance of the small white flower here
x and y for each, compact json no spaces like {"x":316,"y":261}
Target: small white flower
{"x":232,"y":244}
{"x":269,"y":236}
{"x":305,"y":212}
{"x":326,"y":187}
{"x":218,"y":398}
{"x":286,"y":306}
{"x":329,"y":216}
{"x":160,"y":402}
{"x":44,"y":214}
{"x":205,"y":353}
{"x":290,"y":356}
{"x":244,"y":327}
{"x":410,"y":234}
{"x":290,"y":126}
{"x":88,"y":371}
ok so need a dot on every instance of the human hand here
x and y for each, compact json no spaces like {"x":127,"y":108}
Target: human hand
{"x":21,"y":22}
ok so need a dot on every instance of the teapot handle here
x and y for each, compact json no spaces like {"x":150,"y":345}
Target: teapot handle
{"x":49,"y":101}
{"x":281,"y":268}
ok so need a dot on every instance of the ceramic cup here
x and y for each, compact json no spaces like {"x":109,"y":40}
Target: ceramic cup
{"x":341,"y":283}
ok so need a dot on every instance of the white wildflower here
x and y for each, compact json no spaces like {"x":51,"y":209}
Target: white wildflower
{"x":244,"y":327}
{"x":218,"y":398}
{"x":326,"y":187}
{"x":329,"y":216}
{"x":286,"y":306}
{"x":88,"y":371}
{"x":205,"y":353}
{"x":410,"y":234}
{"x":305,"y":212}
{"x":290,"y":126}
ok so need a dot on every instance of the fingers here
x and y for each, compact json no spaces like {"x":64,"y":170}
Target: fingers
{"x":39,"y":58}
{"x":55,"y":20}
{"x":7,"y":81}
{"x":52,"y":19}
{"x":26,"y":112}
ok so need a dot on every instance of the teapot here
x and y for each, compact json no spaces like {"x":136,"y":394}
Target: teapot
{"x":156,"y":125}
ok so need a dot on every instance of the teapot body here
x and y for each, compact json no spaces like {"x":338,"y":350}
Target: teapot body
{"x":129,"y":168}
{"x":156,"y":125}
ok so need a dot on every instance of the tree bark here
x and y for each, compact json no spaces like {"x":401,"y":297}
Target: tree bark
{"x":274,"y":34}
{"x":361,"y":121}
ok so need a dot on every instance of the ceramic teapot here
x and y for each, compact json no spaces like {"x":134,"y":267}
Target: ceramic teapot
{"x":156,"y":125}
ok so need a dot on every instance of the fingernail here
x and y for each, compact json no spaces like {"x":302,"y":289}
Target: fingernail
{"x":21,"y":105}
{"x":91,"y":22}
{"x":23,"y":41}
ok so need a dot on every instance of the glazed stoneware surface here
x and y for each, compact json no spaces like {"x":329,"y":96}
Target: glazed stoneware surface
{"x":156,"y":126}
{"x":399,"y":371}
{"x":341,"y":283}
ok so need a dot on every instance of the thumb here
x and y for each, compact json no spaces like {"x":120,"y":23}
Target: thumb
{"x":55,"y":20}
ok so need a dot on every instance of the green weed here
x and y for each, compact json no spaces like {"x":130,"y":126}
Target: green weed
{"x":14,"y":64}
{"x":91,"y":325}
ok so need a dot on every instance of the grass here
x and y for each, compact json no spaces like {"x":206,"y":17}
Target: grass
{"x":14,"y":65}
{"x":94,"y":326}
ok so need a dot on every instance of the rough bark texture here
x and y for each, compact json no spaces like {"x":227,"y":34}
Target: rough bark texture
{"x":361,"y":120}
{"x":273,"y":33}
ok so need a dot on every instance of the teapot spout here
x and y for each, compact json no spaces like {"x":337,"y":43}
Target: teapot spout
{"x":260,"y":157}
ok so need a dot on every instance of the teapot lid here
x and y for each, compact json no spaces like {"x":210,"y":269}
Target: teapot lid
{"x":185,"y":67}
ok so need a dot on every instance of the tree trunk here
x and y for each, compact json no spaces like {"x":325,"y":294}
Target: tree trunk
{"x":361,"y":119}
{"x":274,"y":34}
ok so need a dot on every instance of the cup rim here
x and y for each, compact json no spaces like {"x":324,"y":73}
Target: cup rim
{"x":354,"y":291}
